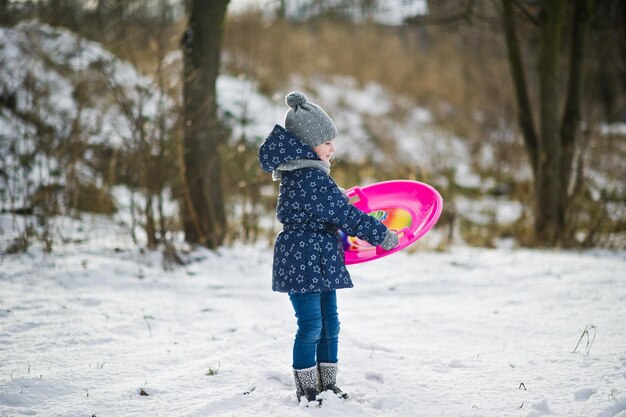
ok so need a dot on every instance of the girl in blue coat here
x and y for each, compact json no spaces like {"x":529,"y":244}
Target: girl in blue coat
{"x":308,"y":255}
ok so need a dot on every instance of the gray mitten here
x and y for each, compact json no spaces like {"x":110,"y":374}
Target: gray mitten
{"x":391,"y":241}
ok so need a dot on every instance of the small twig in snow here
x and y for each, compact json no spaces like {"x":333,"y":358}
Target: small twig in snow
{"x":146,"y":317}
{"x":586,"y":333}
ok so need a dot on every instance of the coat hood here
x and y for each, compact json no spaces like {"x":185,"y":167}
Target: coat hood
{"x":280,"y":146}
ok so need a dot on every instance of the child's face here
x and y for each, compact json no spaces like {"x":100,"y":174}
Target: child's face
{"x":325,"y":150}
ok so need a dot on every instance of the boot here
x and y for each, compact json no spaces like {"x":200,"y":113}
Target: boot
{"x":307,"y":384}
{"x":328,"y":379}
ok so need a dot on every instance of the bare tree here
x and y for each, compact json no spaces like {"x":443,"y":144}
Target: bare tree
{"x":551,"y":147}
{"x":549,"y":117}
{"x":204,"y":213}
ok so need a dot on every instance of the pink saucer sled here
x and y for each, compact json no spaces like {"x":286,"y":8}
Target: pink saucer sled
{"x":410,"y":208}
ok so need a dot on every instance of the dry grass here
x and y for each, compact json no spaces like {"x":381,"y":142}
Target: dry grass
{"x":432,"y":66}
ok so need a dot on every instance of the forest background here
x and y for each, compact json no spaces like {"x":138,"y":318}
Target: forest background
{"x":532,"y":92}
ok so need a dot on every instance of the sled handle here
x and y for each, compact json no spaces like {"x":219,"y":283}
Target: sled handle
{"x":359,"y":197}
{"x":407,"y":233}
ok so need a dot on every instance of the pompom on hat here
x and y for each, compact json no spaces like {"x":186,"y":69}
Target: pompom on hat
{"x":307,"y":121}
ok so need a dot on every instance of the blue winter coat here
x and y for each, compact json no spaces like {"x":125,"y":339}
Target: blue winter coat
{"x":308,"y":253}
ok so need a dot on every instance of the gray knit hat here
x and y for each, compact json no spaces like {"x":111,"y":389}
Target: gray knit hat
{"x":307,"y":121}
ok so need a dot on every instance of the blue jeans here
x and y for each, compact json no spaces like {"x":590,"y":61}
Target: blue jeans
{"x":317,"y":337}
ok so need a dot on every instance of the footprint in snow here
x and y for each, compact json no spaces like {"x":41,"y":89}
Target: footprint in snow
{"x":457,"y":364}
{"x":376,"y":377}
{"x":540,"y":408}
{"x":280,"y":378}
{"x":584,"y":394}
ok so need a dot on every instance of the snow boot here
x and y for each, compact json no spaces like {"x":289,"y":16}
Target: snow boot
{"x":328,"y":379}
{"x":307,"y":384}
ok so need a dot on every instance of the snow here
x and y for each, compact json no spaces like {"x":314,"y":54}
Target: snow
{"x":376,"y":124}
{"x":467,"y":332}
{"x":489,"y":210}
{"x":608,"y":129}
{"x":43,"y":66}
{"x":249,"y":113}
{"x":389,"y":12}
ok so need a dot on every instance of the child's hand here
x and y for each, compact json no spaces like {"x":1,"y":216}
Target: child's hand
{"x":391,"y":240}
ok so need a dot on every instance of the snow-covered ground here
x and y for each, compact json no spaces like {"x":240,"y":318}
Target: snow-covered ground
{"x":467,"y":332}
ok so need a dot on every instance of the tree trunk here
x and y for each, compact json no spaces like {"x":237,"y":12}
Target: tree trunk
{"x":5,"y":18}
{"x":525,"y":117}
{"x":572,"y":115}
{"x":204,"y":213}
{"x":551,"y":150}
{"x":548,"y":221}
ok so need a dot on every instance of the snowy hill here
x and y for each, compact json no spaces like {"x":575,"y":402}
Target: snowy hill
{"x":67,"y":89}
{"x":59,"y":89}
{"x":412,"y":137}
{"x":43,"y":68}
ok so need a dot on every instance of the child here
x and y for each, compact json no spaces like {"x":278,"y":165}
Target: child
{"x":308,"y":255}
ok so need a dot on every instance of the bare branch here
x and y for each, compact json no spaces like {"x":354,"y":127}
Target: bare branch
{"x":526,"y":13}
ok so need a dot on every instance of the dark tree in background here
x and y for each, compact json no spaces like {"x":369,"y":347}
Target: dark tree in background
{"x":204,"y":214}
{"x":4,"y":7}
{"x":559,"y":83}
{"x":551,"y":144}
